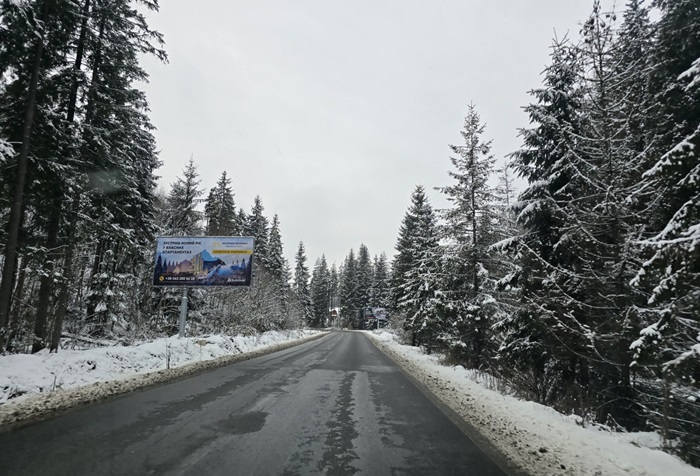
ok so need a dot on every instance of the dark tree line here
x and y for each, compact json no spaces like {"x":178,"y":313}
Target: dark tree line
{"x":363,"y":281}
{"x":360,"y":281}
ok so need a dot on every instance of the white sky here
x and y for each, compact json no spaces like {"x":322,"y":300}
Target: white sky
{"x":332,"y":111}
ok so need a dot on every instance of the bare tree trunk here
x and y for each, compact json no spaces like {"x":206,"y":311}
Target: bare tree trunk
{"x":79,"y":53}
{"x":92,"y":306}
{"x":14,"y":323}
{"x":45,"y":286}
{"x":89,"y":115}
{"x":478,"y":339}
{"x":62,"y":302}
{"x":57,"y":210}
{"x":15,"y":218}
{"x":666,"y":413}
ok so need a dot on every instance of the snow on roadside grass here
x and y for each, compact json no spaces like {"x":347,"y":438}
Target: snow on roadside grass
{"x":537,"y":439}
{"x":35,"y":385}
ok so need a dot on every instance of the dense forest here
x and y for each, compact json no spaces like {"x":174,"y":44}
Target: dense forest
{"x":80,"y":206}
{"x":582,"y":290}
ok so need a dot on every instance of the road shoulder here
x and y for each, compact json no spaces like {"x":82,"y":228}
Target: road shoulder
{"x":533,"y":439}
{"x":44,"y":406}
{"x":434,"y":390}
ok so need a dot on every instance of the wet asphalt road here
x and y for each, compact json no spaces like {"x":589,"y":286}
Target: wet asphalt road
{"x":336,"y":406}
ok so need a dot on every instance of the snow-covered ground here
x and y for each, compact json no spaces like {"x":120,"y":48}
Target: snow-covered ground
{"x":536,"y":438}
{"x":35,"y":385}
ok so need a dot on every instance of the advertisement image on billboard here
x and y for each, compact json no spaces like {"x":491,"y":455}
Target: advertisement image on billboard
{"x":203,"y":261}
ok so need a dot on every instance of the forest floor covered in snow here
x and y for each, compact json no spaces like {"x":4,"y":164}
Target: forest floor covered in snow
{"x":36,"y":385}
{"x":536,"y":439}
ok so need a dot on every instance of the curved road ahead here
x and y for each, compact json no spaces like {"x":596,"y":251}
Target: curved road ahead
{"x":336,"y":405}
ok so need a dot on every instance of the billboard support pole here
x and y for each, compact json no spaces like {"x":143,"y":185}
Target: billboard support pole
{"x":183,"y":312}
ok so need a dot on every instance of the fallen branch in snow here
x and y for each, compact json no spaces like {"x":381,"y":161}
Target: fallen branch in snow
{"x":88,"y":340}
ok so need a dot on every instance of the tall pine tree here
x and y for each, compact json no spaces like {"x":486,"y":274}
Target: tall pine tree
{"x":220,"y":210}
{"x":469,"y":231}
{"x":422,"y":299}
{"x":301,"y":284}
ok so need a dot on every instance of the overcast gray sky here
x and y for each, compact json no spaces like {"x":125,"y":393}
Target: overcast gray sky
{"x":332,"y":111}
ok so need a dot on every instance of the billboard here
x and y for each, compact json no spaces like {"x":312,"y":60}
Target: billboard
{"x":203,"y":261}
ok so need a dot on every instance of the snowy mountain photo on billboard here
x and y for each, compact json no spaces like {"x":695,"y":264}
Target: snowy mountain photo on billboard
{"x":203,"y":261}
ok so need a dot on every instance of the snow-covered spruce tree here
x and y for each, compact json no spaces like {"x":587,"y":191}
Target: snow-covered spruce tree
{"x":404,"y":259}
{"x":531,"y":346}
{"x":244,"y":226}
{"x":349,"y":291}
{"x":632,"y":60}
{"x":506,"y":270}
{"x":669,"y":345}
{"x":293,"y":318}
{"x":301,"y":284}
{"x":380,"y":281}
{"x":90,"y":155}
{"x":277,"y":266}
{"x":121,"y":152}
{"x":33,"y":44}
{"x":182,"y":217}
{"x":35,"y":41}
{"x":259,"y":228}
{"x":7,"y":153}
{"x":468,"y":232}
{"x":276,"y":262}
{"x":264,"y":305}
{"x":505,"y":196}
{"x":34,"y":60}
{"x":220,"y":210}
{"x":295,"y":312}
{"x":422,"y":300}
{"x":599,"y":318}
{"x":320,"y":292}
{"x":578,"y":312}
{"x":221,"y":220}
{"x":364,"y":277}
{"x":505,"y":190}
{"x":334,"y":286}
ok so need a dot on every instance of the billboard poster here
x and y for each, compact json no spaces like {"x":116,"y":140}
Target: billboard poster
{"x":203,"y":261}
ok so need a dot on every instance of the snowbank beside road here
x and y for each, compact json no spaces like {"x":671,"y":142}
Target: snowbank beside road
{"x":35,"y":385}
{"x":536,"y":438}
